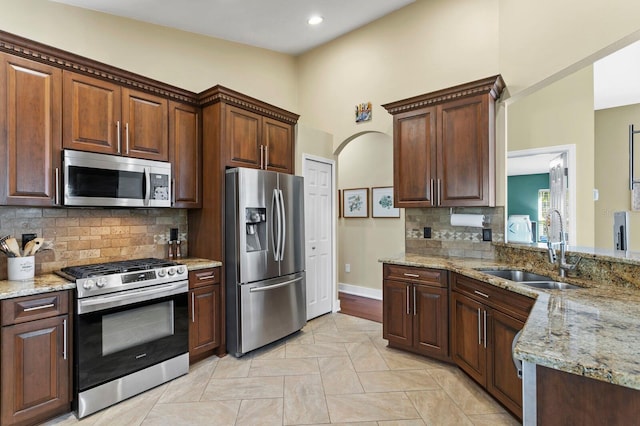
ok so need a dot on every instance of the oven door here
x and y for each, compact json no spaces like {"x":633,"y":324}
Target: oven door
{"x":118,"y":334}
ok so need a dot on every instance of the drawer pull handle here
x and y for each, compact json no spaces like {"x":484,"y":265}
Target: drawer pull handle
{"x":37,"y":308}
{"x":206,"y":277}
{"x":64,"y":339}
{"x":411,"y":275}
{"x":479,"y":293}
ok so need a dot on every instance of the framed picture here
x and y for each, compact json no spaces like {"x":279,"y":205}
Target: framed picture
{"x":382,"y":203}
{"x":355,"y":202}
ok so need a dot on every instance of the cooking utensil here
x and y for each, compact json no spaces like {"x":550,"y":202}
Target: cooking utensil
{"x":33,"y":246}
{"x":14,"y":247}
{"x":3,"y":245}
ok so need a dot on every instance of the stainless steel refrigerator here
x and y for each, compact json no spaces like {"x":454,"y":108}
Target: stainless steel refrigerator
{"x":264,"y":258}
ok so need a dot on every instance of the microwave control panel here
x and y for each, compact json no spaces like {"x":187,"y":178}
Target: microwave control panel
{"x":159,"y":186}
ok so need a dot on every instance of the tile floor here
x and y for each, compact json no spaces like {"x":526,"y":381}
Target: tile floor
{"x":337,"y":370}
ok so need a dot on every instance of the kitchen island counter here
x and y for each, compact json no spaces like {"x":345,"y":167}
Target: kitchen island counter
{"x":592,"y":332}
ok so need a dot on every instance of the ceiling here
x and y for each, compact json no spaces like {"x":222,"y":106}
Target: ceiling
{"x":279,"y":25}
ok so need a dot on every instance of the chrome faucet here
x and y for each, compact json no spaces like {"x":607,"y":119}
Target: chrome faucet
{"x":563,"y":266}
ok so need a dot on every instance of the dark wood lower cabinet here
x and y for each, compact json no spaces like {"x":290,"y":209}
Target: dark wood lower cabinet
{"x":416,"y":310}
{"x":205,"y":327}
{"x":36,"y":360}
{"x":569,"y":399}
{"x":482,"y":333}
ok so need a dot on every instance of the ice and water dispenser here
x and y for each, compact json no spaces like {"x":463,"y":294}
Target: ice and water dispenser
{"x":256,"y":228}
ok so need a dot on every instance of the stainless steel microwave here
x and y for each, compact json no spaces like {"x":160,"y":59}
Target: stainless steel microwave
{"x":102,"y":180}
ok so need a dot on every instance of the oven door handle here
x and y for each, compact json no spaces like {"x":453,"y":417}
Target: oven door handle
{"x":100,"y":303}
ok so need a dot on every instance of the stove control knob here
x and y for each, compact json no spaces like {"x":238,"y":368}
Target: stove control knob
{"x":181,"y":270}
{"x":101,"y":282}
{"x":88,"y":284}
{"x":171,"y":271}
{"x":162,"y":272}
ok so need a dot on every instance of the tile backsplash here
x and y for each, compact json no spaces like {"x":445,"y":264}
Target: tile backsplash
{"x":82,"y":236}
{"x":447,"y":240}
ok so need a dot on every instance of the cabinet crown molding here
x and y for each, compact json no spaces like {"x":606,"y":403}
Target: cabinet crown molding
{"x":493,"y":85}
{"x":222,"y":94}
{"x":39,"y":52}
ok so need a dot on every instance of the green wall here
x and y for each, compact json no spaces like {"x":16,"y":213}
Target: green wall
{"x":522,"y":194}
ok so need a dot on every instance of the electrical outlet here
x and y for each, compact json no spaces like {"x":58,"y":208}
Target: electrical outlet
{"x":427,"y":232}
{"x":347,"y":267}
{"x":486,"y":234}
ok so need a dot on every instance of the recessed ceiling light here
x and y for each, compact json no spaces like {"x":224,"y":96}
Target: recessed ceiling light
{"x":315,"y":20}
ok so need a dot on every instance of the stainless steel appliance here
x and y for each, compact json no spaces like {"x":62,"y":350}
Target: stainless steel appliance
{"x":130,"y":329}
{"x":104,"y":180}
{"x":264,"y":248}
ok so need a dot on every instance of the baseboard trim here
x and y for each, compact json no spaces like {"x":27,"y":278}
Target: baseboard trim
{"x":357,"y":290}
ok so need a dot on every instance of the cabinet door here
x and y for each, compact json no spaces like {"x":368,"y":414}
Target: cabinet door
{"x":204,"y":330}
{"x":35,"y":370}
{"x":467,"y":336}
{"x":277,"y":139}
{"x":431,"y":320}
{"x":243,"y":136}
{"x":397,"y":312}
{"x":502,"y":378}
{"x":185,"y":154}
{"x":464,"y":171}
{"x":92,"y":114}
{"x":30,"y":131}
{"x":145,"y":120}
{"x":414,"y":157}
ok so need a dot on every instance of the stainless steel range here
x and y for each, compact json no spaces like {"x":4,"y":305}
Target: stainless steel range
{"x":131,"y":329}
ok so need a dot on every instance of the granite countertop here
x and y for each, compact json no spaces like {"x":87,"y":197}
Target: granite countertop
{"x":46,"y":283}
{"x":593,"y":331}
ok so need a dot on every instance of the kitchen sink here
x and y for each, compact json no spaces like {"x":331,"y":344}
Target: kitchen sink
{"x":551,"y":285}
{"x":530,"y":279}
{"x":517,"y":275}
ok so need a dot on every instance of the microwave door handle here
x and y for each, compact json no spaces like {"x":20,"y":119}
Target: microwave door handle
{"x":146,"y":186}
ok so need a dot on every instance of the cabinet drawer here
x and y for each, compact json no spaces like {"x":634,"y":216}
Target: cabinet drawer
{"x":434,"y":277}
{"x":29,"y":308}
{"x":507,"y":301}
{"x":202,"y":277}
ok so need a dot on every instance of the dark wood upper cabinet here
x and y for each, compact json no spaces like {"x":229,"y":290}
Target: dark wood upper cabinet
{"x":30,"y":131}
{"x":243,"y":138}
{"x":146,"y":121}
{"x":92,"y":111}
{"x":278,"y":145}
{"x":444,"y":146}
{"x":104,"y":117}
{"x":185,"y":150}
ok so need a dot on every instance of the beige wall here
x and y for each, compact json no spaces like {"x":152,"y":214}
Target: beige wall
{"x":561,"y":114}
{"x":183,"y":59}
{"x":365,"y":163}
{"x":612,"y":173}
{"x":541,"y":38}
{"x":425,"y":46}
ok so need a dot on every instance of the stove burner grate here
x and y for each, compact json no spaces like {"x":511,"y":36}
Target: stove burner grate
{"x":110,"y":268}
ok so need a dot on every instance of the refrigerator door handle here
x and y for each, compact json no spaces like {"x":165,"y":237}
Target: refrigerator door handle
{"x":283,"y":225}
{"x":273,"y":286}
{"x":275,"y":234}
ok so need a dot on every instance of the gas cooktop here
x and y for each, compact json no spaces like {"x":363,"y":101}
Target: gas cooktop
{"x":110,"y":268}
{"x":110,"y":277}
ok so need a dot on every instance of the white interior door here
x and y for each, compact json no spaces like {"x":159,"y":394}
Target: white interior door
{"x":318,"y":208}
